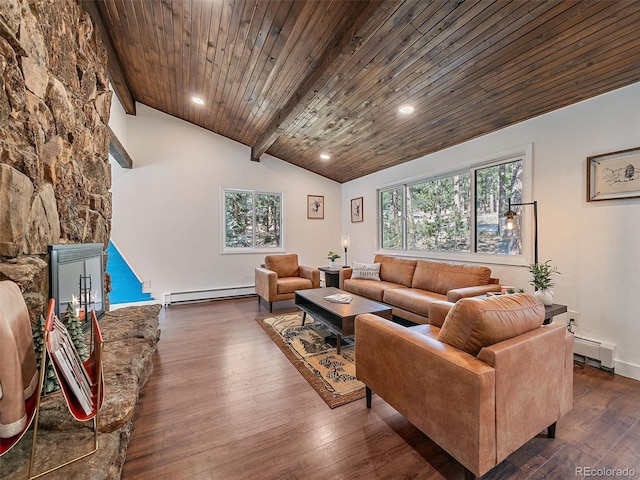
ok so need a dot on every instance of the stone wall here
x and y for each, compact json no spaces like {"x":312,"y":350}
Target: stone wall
{"x":54,"y":140}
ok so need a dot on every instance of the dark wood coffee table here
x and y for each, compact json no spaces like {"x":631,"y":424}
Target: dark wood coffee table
{"x":337,"y":317}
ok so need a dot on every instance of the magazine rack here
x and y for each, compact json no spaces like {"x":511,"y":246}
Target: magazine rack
{"x":93,"y":366}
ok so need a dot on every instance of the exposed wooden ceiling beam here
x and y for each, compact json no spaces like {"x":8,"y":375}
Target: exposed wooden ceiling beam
{"x":372,"y":16}
{"x":117,"y":151}
{"x":116,"y":74}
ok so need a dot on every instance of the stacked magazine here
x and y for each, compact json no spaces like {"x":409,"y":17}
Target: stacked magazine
{"x":339,"y":298}
{"x":66,"y":358}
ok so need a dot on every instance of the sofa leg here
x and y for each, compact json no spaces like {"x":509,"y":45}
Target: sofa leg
{"x":551,"y":431}
{"x":468,"y":474}
{"x":270,"y":307}
{"x":368,"y":393}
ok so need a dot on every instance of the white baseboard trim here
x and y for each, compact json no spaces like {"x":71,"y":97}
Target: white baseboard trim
{"x":627,"y":370}
{"x":210,"y":294}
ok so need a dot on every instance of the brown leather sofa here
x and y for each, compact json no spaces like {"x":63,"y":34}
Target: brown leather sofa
{"x":280,"y":276}
{"x":480,"y":384}
{"x":410,"y":286}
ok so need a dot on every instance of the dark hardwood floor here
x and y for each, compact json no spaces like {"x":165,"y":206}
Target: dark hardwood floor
{"x":224,"y":403}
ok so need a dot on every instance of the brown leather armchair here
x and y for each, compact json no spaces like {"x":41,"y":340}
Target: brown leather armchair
{"x":481,"y":383}
{"x":280,"y":276}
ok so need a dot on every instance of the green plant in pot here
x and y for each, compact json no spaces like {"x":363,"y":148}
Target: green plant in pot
{"x":332,"y":256}
{"x":543,"y":280}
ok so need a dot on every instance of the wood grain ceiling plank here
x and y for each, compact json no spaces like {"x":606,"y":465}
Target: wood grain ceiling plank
{"x":234,"y":52}
{"x":166,"y":55}
{"x":332,"y":58}
{"x":563,"y":60}
{"x":444,"y":104}
{"x":570,"y":33}
{"x":194,"y":59}
{"x":284,"y":66}
{"x":485,"y":115}
{"x":375,"y":84}
{"x":215,"y":56}
{"x":266,"y":47}
{"x":208,"y":18}
{"x":380,"y":88}
{"x":253,"y":44}
{"x":386,"y":112}
{"x":156,"y":35}
{"x":122,"y":34}
{"x":397,"y":30}
{"x":225,"y":66}
{"x":116,"y":72}
{"x":287,"y":77}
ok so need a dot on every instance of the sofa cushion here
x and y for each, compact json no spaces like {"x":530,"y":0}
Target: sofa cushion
{"x":441,"y":277}
{"x":396,"y":270}
{"x":367,"y":288}
{"x":283,"y":265}
{"x":366,"y":271}
{"x":291,"y":284}
{"x":474,"y":323}
{"x":412,"y":299}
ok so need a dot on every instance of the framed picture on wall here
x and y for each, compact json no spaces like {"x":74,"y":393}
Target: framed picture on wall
{"x":315,"y":206}
{"x":357,"y":213}
{"x":614,"y":175}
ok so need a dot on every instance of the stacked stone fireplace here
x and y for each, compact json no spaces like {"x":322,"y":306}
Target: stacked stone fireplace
{"x":54,"y":140}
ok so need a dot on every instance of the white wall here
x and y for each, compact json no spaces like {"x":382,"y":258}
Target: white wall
{"x":167,"y":211}
{"x":596,"y":245}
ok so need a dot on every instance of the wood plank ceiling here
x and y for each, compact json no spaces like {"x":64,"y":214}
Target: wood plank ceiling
{"x":299,"y":78}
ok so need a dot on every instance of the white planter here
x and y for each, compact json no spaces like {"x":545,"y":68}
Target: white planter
{"x":333,"y":264}
{"x":545,"y":296}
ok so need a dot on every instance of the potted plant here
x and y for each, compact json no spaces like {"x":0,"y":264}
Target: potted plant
{"x":332,"y":256}
{"x":542,"y":280}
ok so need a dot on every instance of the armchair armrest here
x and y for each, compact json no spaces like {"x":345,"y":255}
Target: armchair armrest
{"x":534,"y":384}
{"x":465,"y":292}
{"x":448,"y":394}
{"x":266,"y":284}
{"x":438,"y":312}
{"x":311,"y":273}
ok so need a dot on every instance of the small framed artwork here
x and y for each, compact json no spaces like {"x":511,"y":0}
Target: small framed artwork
{"x":614,"y":175}
{"x":357,"y":213}
{"x":315,"y":207}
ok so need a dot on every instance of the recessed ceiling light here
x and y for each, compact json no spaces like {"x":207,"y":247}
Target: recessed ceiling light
{"x":325,"y":156}
{"x":197,"y":100}
{"x":406,"y":109}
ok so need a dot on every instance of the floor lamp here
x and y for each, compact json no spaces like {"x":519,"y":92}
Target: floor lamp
{"x":510,"y":216}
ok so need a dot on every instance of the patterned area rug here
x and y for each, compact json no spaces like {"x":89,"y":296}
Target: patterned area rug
{"x":333,"y":376}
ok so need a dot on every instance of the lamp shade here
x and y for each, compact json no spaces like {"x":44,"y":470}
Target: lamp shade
{"x":345,"y":241}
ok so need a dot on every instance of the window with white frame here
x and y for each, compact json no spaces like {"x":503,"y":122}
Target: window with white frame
{"x":458,"y":212}
{"x":252,"y":220}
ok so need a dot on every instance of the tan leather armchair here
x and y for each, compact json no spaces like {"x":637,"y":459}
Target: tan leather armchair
{"x":280,"y":276}
{"x":480,"y":384}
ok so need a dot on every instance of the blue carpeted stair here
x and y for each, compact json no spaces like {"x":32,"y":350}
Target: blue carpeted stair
{"x":125,"y":286}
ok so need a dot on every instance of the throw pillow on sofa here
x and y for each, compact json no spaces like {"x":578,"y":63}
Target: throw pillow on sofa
{"x":366,"y":271}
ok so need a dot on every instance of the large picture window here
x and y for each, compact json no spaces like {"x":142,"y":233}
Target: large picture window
{"x":460,"y":212}
{"x":253,"y":220}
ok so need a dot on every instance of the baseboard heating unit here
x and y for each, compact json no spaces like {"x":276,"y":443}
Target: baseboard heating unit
{"x":595,"y":352}
{"x":209,"y":294}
